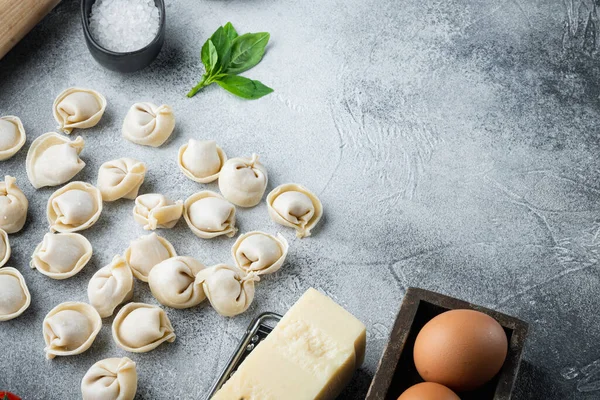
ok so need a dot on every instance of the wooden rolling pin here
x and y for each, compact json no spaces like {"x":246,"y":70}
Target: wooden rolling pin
{"x":18,"y":17}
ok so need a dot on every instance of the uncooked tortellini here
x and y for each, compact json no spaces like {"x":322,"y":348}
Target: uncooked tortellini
{"x":78,"y":108}
{"x":140,"y":327}
{"x":145,"y":252}
{"x":201,"y":160}
{"x":74,"y":207}
{"x":229,"y":290}
{"x":148,"y":124}
{"x":12,"y":136}
{"x":14,"y":295}
{"x":61,"y":255}
{"x":154,"y":210}
{"x":53,"y":159}
{"x":110,"y":379}
{"x":4,"y":247}
{"x":110,"y":286}
{"x":243,"y":181}
{"x":260,"y":252}
{"x":295,"y":206}
{"x":209,"y":215}
{"x":13,"y":206}
{"x":70,"y":328}
{"x":121,"y":178}
{"x":172,"y":282}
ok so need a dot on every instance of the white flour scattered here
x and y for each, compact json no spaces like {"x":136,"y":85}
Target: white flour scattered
{"x":124,"y":25}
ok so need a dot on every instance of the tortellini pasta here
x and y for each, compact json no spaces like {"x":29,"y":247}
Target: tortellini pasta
{"x":201,"y":160}
{"x":4,"y":247}
{"x":295,"y":206}
{"x":61,"y":255}
{"x":209,"y":215}
{"x":147,"y":251}
{"x":172,"y":282}
{"x":12,"y":136}
{"x":243,"y":181}
{"x":154,"y":210}
{"x":110,"y":379}
{"x":14,"y":295}
{"x":148,"y":124}
{"x":110,"y":286}
{"x":53,"y":159}
{"x":260,"y":252}
{"x":70,"y":328}
{"x":229,"y":290}
{"x":121,"y":178}
{"x":140,"y":327}
{"x":78,"y":108}
{"x":13,"y":206}
{"x":74,"y":207}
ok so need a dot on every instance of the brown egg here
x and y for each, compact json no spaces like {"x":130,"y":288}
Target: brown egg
{"x":428,"y":391}
{"x":460,"y":349}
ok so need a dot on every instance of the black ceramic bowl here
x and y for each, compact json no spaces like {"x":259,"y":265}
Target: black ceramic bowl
{"x":123,"y":62}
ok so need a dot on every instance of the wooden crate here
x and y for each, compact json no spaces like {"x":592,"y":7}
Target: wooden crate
{"x":397,"y":372}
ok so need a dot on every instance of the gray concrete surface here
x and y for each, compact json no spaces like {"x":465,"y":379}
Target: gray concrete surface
{"x":454,"y":144}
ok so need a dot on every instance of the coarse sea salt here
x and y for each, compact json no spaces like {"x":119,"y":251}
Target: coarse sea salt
{"x":124,"y":25}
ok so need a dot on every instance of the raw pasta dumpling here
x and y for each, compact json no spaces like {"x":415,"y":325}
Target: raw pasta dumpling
{"x":201,"y":160}
{"x":147,"y":251}
{"x":14,"y":295}
{"x":260,"y":252}
{"x":13,"y":206}
{"x":121,"y":178}
{"x":209,"y":215}
{"x":12,"y":136}
{"x":70,"y":328}
{"x":243,"y":181}
{"x":74,"y":207}
{"x":295,"y":206}
{"x":61,"y":255}
{"x":154,"y":210}
{"x":110,"y":379}
{"x":110,"y":286}
{"x":53,"y":159}
{"x":4,"y":247}
{"x":172,"y":282}
{"x":148,"y":124}
{"x":229,"y":290}
{"x":140,"y":327}
{"x":78,"y":108}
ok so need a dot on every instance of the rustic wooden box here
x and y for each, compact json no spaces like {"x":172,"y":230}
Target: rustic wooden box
{"x":397,"y":372}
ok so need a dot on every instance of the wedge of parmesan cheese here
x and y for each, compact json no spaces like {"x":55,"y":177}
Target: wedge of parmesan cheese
{"x":311,"y":355}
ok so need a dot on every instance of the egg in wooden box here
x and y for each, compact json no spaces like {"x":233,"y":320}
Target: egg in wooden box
{"x":460,"y":349}
{"x":428,"y":391}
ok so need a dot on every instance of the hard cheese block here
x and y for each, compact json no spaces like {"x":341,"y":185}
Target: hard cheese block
{"x":310,"y":355}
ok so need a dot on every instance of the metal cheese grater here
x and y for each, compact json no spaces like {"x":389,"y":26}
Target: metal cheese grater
{"x":257,"y":331}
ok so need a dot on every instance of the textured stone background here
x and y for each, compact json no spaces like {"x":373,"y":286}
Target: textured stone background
{"x":454,"y":144}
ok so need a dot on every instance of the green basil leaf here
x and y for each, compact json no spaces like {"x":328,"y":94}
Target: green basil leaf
{"x":223,"y":45}
{"x":214,"y":56}
{"x":230,"y":31}
{"x":209,"y":56}
{"x":247,"y":51}
{"x":243,"y":87}
{"x":205,"y":56}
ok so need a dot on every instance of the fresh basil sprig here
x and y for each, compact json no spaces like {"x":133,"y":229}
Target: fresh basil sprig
{"x":227,"y":54}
